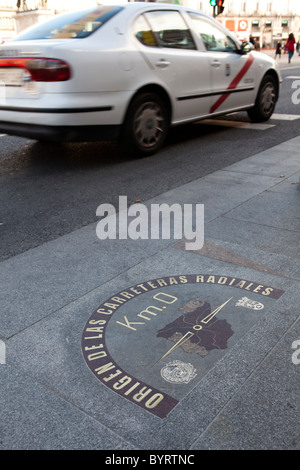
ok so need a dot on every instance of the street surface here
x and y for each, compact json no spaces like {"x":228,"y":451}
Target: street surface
{"x":125,"y":345}
{"x":49,"y":190}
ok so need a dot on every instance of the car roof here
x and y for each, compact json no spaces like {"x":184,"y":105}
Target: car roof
{"x":146,"y":6}
{"x":137,"y":5}
{"x":150,"y":5}
{"x":155,"y":5}
{"x":142,"y":6}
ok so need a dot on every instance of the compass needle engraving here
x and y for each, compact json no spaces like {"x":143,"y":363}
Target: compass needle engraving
{"x":196,"y":327}
{"x":214,"y":313}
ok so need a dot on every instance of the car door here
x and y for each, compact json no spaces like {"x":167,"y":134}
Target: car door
{"x":232,"y":73}
{"x":167,"y":45}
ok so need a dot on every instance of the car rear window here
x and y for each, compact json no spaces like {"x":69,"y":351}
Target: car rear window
{"x":73,"y":25}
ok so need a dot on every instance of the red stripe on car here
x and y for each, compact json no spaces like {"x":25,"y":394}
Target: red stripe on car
{"x":234,"y":83}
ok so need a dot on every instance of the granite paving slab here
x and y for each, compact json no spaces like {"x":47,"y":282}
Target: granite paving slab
{"x":50,"y":352}
{"x":127,"y":344}
{"x":264,"y":414}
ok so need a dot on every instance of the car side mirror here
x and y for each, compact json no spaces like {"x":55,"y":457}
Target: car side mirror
{"x":246,"y":47}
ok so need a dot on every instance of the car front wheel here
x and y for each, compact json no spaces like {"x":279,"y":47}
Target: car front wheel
{"x":265,"y":101}
{"x":146,"y":125}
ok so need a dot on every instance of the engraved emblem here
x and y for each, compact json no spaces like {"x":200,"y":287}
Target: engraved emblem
{"x":248,"y":303}
{"x":178,"y":372}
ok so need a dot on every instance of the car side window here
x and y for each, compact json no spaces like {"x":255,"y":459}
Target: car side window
{"x":214,"y":38}
{"x":143,"y":33}
{"x":170,"y":29}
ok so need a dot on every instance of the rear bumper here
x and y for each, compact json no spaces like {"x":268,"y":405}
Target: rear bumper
{"x":61,"y":133}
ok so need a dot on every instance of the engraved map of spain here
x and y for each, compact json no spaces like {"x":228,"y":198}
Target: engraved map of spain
{"x":198,"y":330}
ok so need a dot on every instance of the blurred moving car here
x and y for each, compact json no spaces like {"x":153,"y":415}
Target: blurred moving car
{"x":129,"y":72}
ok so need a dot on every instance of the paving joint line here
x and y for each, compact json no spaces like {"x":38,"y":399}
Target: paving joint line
{"x":257,"y":223}
{"x":87,"y":293}
{"x":65,"y":399}
{"x":247,"y":378}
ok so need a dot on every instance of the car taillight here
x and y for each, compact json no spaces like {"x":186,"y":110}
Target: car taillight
{"x":40,"y":69}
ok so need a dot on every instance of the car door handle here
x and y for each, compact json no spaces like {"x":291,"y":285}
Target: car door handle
{"x":162,"y":63}
{"x":215,"y":63}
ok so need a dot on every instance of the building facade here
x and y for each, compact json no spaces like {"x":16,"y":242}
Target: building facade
{"x":7,"y":21}
{"x":266,"y":20}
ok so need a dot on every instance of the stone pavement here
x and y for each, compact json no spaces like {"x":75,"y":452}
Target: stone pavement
{"x":144,"y":345}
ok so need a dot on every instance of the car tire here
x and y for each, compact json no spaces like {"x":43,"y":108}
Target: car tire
{"x":265,"y":101}
{"x":146,"y":125}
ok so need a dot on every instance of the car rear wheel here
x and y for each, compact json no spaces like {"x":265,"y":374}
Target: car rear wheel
{"x":265,"y":101}
{"x":146,"y":125}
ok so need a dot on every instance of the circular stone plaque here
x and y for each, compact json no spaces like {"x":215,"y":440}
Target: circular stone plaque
{"x":153,"y":342}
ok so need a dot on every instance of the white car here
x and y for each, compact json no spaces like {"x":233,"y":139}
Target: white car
{"x":129,"y":72}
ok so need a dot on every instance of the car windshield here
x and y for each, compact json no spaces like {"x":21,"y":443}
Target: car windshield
{"x":71,"y":26}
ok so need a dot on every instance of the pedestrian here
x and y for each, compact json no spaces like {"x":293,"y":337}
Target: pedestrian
{"x":298,"y":47}
{"x":291,"y":46}
{"x":278,"y":49}
{"x":252,"y":40}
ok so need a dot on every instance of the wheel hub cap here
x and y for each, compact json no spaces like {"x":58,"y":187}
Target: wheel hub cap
{"x":148,"y":124}
{"x":268,"y":98}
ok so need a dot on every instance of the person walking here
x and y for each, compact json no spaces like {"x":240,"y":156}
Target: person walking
{"x":291,"y":46}
{"x":278,"y":49}
{"x":252,"y":40}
